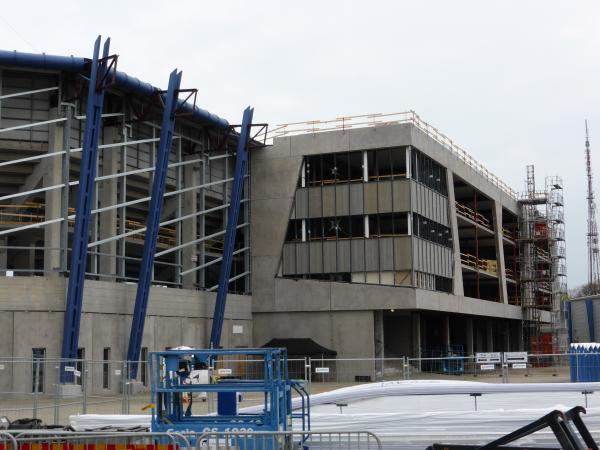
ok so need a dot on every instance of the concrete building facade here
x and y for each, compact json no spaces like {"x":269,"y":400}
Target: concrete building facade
{"x":381,"y":241}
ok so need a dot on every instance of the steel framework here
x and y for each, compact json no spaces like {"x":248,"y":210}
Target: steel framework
{"x":592,"y":228}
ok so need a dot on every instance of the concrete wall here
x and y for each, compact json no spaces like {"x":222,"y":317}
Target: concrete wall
{"x":32,"y":314}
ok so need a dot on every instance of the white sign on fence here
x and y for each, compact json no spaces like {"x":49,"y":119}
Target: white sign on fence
{"x":117,"y":372}
{"x":515,"y":357}
{"x":488,"y":366}
{"x":225,"y":371}
{"x":488,"y":357}
{"x":321,"y":369}
{"x":69,"y":369}
{"x":519,"y":366}
{"x":77,"y":373}
{"x":1,"y":366}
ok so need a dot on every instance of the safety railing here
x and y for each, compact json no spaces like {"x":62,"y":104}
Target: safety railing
{"x":486,"y":265}
{"x":289,"y":440}
{"x":471,"y":214}
{"x":29,"y":388}
{"x":374,"y":120}
{"x":95,"y":440}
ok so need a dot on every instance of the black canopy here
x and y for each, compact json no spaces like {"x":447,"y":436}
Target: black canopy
{"x":301,"y":347}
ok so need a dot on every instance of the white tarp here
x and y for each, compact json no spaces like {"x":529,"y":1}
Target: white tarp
{"x":93,"y":421}
{"x":401,"y":412}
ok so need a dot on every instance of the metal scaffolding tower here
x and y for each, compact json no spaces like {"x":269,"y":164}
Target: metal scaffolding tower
{"x":592,"y":230}
{"x":542,"y":263}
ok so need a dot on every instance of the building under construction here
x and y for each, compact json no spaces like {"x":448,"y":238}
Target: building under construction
{"x":372,"y":235}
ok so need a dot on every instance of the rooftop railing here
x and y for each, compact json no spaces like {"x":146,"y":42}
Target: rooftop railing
{"x":375,"y":120}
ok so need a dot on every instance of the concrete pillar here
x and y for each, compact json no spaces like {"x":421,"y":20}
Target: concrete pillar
{"x":446,"y":332}
{"x":470,"y":349}
{"x":3,"y":256}
{"x":521,"y":338}
{"x":457,"y":280}
{"x":498,"y":239}
{"x":189,"y":227}
{"x":416,"y":334}
{"x":379,"y":337}
{"x":53,"y":176}
{"x":490,"y":336}
{"x":31,"y":255}
{"x":108,"y":196}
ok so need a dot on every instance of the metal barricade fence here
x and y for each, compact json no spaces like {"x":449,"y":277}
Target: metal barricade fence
{"x":95,"y":440}
{"x":29,"y":387}
{"x":288,"y":440}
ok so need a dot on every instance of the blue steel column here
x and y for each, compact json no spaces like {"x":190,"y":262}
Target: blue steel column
{"x":152,"y":224}
{"x":233,"y":214}
{"x":87,"y":174}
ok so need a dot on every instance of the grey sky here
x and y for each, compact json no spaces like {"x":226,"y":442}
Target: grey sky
{"x":509,"y":81}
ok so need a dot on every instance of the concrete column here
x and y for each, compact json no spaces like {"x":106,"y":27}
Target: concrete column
{"x":521,"y":338}
{"x":498,"y":238}
{"x":31,"y":255}
{"x":470,"y":349}
{"x":108,"y":196}
{"x":53,"y":176}
{"x":379,"y":337}
{"x":478,"y":338}
{"x":457,"y":281}
{"x":490,"y":336}
{"x":3,"y":256}
{"x":446,"y":332}
{"x":416,"y":334}
{"x":189,"y":227}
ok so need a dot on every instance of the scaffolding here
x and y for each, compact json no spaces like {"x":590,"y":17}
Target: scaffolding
{"x":542,"y":265}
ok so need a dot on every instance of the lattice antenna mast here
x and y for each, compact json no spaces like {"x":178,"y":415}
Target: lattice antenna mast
{"x":592,"y":231}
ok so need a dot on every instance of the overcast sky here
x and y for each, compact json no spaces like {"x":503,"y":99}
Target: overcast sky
{"x":511,"y":82}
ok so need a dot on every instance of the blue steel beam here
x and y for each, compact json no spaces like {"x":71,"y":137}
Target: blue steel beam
{"x":85,"y":195}
{"x":233,"y":214}
{"x":152,"y":223}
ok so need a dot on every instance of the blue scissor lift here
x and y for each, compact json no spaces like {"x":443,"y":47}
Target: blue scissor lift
{"x":172,"y":381}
